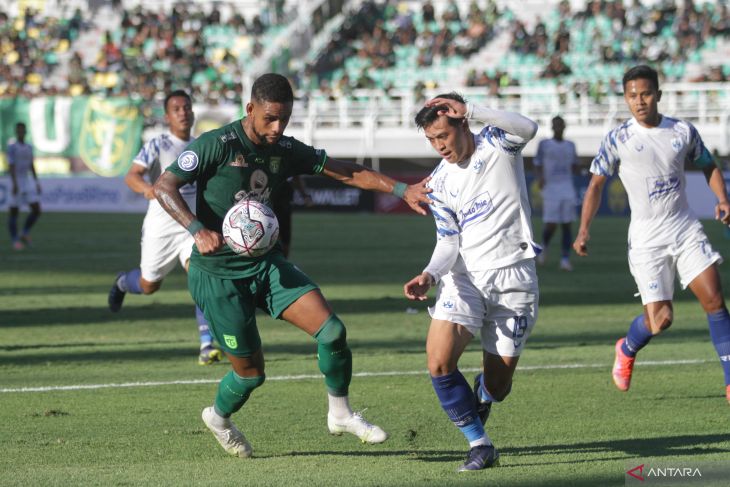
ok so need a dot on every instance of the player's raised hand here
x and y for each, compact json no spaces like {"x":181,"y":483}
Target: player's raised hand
{"x":416,"y":196}
{"x":416,"y":288}
{"x":722,"y":212}
{"x":454,"y":108}
{"x":581,"y":243}
{"x":208,"y":241}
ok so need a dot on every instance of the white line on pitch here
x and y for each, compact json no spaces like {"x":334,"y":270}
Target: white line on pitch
{"x":80,"y":387}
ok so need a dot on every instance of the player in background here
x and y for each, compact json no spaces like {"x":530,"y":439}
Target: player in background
{"x":483,"y":262}
{"x":650,"y":151}
{"x":24,"y":191}
{"x":554,"y":164}
{"x":164,"y":242}
{"x":250,"y":159}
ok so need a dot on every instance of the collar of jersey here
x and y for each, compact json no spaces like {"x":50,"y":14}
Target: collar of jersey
{"x":248,"y":143}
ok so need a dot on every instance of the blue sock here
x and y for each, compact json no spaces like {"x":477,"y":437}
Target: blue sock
{"x":13,"y":227}
{"x":720,"y":333}
{"x":29,"y":221}
{"x":567,"y":239}
{"x":131,"y":280}
{"x":637,"y":337}
{"x":203,"y":329}
{"x":457,"y":399}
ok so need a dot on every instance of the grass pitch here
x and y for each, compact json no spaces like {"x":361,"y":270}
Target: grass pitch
{"x":88,"y":397}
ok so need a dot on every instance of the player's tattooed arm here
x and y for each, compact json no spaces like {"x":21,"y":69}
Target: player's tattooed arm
{"x":416,"y":195}
{"x":167,"y":191}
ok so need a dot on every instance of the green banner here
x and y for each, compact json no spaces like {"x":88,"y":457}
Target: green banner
{"x":93,"y":134}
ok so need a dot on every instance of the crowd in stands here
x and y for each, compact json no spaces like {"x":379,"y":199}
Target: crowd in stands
{"x":383,"y":44}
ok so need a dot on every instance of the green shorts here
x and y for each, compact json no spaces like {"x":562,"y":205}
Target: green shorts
{"x":230,"y":305}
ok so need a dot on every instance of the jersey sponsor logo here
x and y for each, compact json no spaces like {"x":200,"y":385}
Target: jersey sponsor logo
{"x":478,"y":207}
{"x":259,"y":160}
{"x":662,"y":185}
{"x":228,"y":136}
{"x":240,"y":161}
{"x":275,"y":164}
{"x":231,"y":341}
{"x":188,"y":160}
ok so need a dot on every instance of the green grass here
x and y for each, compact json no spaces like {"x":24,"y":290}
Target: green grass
{"x":560,"y":426}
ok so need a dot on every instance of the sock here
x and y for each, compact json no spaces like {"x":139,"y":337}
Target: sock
{"x":720,"y":333}
{"x":566,"y":241}
{"x":457,"y":400}
{"x":333,"y":356}
{"x":339,"y":406}
{"x":13,"y":227}
{"x":234,"y":391}
{"x":29,"y":221}
{"x":206,"y":339}
{"x":129,"y":282}
{"x":637,"y":337}
{"x":546,"y":236}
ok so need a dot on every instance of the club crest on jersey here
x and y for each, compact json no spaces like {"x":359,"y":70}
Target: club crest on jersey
{"x":240,"y":161}
{"x":677,"y":144}
{"x":188,"y":160}
{"x":275,"y":164}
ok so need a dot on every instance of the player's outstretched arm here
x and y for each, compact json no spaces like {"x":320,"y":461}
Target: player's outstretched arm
{"x":416,"y":195}
{"x":416,"y":288}
{"x":167,"y":191}
{"x":591,"y":202}
{"x":716,"y":181}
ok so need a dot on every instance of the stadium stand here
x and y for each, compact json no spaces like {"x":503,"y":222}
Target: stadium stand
{"x":367,"y":64}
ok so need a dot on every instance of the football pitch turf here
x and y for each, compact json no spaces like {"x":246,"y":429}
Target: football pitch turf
{"x":88,"y":397}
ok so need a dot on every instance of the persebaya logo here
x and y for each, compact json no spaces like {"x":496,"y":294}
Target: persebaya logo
{"x":109,"y":134}
{"x":230,"y":341}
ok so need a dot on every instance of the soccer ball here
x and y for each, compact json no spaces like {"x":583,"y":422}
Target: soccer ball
{"x":250,"y":228}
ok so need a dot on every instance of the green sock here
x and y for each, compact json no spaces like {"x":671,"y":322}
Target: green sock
{"x":234,"y":391}
{"x":334,"y":356}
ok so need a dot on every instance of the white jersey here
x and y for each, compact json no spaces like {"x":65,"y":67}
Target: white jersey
{"x":158,"y":153}
{"x":20,"y":156}
{"x":483,"y":204}
{"x":650,"y":163}
{"x":557,"y":158}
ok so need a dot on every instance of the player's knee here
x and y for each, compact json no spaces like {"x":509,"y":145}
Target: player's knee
{"x":439,"y":365}
{"x":149,"y":287}
{"x":332,"y":333}
{"x":713,"y":303}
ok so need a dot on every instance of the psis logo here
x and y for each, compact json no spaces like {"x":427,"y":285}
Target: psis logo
{"x":637,"y":472}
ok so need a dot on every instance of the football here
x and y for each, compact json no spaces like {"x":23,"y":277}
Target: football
{"x":250,"y":228}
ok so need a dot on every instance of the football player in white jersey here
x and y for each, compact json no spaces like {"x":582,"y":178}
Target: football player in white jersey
{"x":554,"y":163}
{"x":483,"y":262}
{"x":24,"y":191}
{"x":649,"y":151}
{"x":164,"y":241}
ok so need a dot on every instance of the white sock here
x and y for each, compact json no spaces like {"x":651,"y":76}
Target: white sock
{"x":484,"y":440}
{"x":219,"y":421}
{"x":339,"y":406}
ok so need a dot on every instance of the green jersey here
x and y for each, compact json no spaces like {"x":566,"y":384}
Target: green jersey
{"x":228,"y":168}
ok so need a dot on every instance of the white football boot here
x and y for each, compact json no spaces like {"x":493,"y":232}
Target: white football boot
{"x":229,"y":437}
{"x":355,"y":424}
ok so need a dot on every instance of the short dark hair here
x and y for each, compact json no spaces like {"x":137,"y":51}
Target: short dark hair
{"x":20,"y":124}
{"x":428,"y":115}
{"x":558,"y":118}
{"x":272,"y":87}
{"x":175,"y":93}
{"x":642,"y":71}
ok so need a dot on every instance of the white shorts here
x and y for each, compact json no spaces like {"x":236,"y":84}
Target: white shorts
{"x":27,"y":194}
{"x":164,"y":241}
{"x":558,"y":210}
{"x":654,"y":269}
{"x":501,"y":304}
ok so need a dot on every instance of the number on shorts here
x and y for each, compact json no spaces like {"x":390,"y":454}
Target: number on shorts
{"x":520,"y":327}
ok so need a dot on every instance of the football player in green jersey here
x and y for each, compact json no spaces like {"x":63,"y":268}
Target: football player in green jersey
{"x":249,"y":159}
